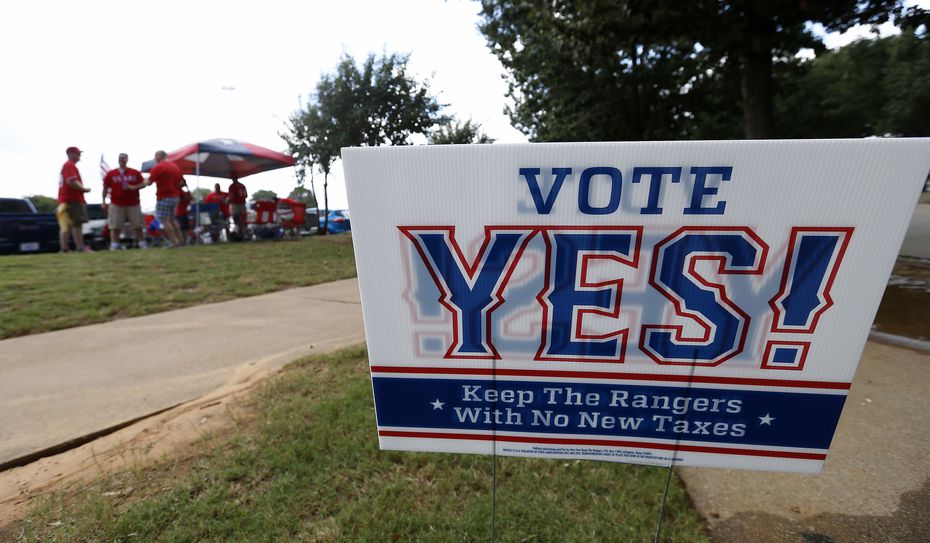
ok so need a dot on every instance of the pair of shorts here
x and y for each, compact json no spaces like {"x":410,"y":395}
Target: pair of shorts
{"x":71,"y":214}
{"x":184,"y":221}
{"x":118,"y":216}
{"x":237,"y":210}
{"x":165,"y":208}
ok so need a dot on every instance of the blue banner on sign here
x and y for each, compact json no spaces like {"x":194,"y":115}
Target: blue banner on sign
{"x":733,"y":417}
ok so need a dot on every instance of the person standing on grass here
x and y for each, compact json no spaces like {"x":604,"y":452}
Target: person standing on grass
{"x":72,"y":208}
{"x":167,"y":178}
{"x":222,"y":199}
{"x":182,"y":213}
{"x":237,"y":197}
{"x":122,"y":184}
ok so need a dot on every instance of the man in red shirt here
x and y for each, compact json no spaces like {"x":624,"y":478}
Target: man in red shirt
{"x":122,"y":185}
{"x":72,"y":210}
{"x":221,"y":198}
{"x":237,"y":198}
{"x":167,"y":178}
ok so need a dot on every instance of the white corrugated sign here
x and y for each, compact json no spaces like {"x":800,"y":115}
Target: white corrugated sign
{"x":702,"y":303}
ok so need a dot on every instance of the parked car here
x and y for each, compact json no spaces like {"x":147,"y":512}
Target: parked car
{"x":339,"y":222}
{"x":95,"y":229}
{"x":23,"y":230}
{"x":311,"y":222}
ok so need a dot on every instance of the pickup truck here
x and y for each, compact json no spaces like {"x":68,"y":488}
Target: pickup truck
{"x":23,"y":230}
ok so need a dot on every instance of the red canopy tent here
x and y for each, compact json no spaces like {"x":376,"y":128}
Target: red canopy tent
{"x":225,"y":158}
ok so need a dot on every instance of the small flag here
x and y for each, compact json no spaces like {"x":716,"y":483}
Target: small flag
{"x":104,"y":167}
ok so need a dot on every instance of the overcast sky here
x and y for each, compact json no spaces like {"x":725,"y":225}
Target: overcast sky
{"x":135,"y":77}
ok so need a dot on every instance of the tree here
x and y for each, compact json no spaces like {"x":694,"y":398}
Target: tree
{"x":630,"y":69}
{"x":259,"y":195}
{"x":376,"y":103}
{"x":459,"y":132}
{"x":756,"y":32}
{"x":907,"y":86}
{"x":868,"y":88}
{"x":303,"y":194}
{"x":314,"y":138}
{"x":44,"y":204}
{"x":200,"y":193}
{"x":593,"y":69}
{"x":299,"y":143}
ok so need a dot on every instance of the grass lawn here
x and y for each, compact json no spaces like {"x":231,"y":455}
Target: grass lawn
{"x":39,"y":293}
{"x":302,"y":464}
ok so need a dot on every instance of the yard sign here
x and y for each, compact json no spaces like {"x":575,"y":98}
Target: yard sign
{"x":702,"y":303}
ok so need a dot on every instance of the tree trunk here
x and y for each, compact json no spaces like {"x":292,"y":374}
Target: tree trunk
{"x":756,"y":82}
{"x":638,"y":113}
{"x":325,"y":203}
{"x":316,"y":202}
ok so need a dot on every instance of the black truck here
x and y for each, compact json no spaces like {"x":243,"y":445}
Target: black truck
{"x":23,"y":230}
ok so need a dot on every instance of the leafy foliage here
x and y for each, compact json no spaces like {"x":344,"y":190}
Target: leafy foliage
{"x":459,"y":132}
{"x":760,"y":35}
{"x":315,"y":139}
{"x":303,"y":194}
{"x":907,"y":86}
{"x":868,"y":88}
{"x":635,"y":70}
{"x":44,"y":204}
{"x":263,"y":195}
{"x":380,"y":103}
{"x":592,"y":69}
{"x":376,"y":103}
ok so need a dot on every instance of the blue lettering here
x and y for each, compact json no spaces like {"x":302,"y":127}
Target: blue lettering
{"x":584,"y":191}
{"x":813,"y":258}
{"x":562,"y":300}
{"x":701,"y":190}
{"x":544,"y":206}
{"x":471,"y":293}
{"x":655,"y":186}
{"x":699,"y":299}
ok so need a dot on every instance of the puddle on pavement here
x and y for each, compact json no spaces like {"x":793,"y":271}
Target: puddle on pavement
{"x":904,"y":309}
{"x":909,"y":524}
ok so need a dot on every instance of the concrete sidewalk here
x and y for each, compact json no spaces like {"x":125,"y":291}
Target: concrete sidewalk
{"x":875,"y":485}
{"x":62,"y":386}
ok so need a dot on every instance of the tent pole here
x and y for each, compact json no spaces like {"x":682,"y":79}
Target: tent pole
{"x":197,"y":214}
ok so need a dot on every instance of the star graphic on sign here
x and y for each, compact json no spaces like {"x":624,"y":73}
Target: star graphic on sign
{"x":766,"y":420}
{"x":437,"y":404}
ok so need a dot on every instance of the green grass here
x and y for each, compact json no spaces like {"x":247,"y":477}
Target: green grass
{"x":40,"y":293}
{"x":303,"y":465}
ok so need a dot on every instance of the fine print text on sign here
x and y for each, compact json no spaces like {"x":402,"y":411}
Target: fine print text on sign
{"x":702,"y":303}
